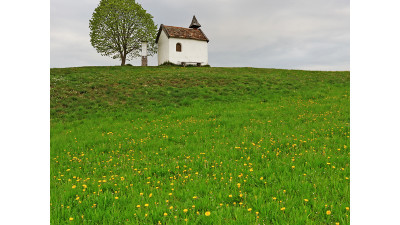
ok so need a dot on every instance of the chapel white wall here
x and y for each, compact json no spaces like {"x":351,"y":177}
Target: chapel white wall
{"x":192,"y":51}
{"x":163,"y":49}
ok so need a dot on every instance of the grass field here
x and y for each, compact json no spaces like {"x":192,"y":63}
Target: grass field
{"x":173,"y":145}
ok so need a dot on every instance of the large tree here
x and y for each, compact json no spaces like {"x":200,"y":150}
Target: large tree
{"x":118,"y":27}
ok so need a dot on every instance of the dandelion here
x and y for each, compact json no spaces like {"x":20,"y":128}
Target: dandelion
{"x":249,"y":209}
{"x":207,"y":213}
{"x":194,"y":197}
{"x":261,"y":178}
{"x":293,"y":167}
{"x":171,"y":207}
{"x":151,"y":194}
{"x":146,"y":205}
{"x":230,"y":196}
{"x":138,"y":206}
{"x":116,"y":197}
{"x":185,"y":210}
{"x":165,"y":214}
{"x":328,"y":212}
{"x":347,"y":208}
{"x":73,"y":186}
{"x":71,"y":218}
{"x":283,"y":208}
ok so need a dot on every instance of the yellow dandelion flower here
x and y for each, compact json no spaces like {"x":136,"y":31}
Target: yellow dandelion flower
{"x":185,"y":210}
{"x":207,"y":213}
{"x":328,"y":212}
{"x":261,"y":178}
{"x":283,"y":208}
{"x":337,"y":223}
{"x":347,"y":208}
{"x":146,"y":205}
{"x":230,"y":196}
{"x":249,"y":209}
{"x":165,"y":214}
{"x":73,"y":186}
{"x":141,"y":193}
{"x":194,"y":197}
{"x":138,"y":206}
{"x":116,"y":197}
{"x":171,"y":207}
{"x":306,"y":200}
{"x":293,"y":167}
{"x":71,"y":218}
{"x":151,"y":194}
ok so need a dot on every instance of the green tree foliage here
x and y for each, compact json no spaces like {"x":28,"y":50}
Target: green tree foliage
{"x":118,"y":27}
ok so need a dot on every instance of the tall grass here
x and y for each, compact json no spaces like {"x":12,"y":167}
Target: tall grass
{"x":168,"y":144}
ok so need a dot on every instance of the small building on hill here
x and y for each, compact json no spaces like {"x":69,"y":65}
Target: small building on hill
{"x":181,"y":45}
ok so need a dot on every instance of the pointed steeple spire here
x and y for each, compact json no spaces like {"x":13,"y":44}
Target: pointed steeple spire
{"x":194,"y":23}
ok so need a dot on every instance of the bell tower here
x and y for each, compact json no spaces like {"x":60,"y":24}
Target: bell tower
{"x":194,"y":23}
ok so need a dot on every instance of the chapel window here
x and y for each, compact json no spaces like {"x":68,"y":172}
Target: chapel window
{"x":178,"y":47}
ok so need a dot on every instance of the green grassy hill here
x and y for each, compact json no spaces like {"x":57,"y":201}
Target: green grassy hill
{"x":143,"y":145}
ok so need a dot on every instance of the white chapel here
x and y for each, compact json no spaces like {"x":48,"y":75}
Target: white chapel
{"x":181,"y":45}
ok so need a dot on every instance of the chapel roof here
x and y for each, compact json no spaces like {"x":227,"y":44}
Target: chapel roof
{"x":181,"y":32}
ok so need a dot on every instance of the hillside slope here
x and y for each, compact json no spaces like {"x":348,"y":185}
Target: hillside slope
{"x":172,"y":145}
{"x":78,"y":92}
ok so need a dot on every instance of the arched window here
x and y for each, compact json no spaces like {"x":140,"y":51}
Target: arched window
{"x":178,"y":47}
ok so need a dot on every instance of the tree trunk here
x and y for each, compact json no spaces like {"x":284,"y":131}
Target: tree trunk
{"x":123,"y":60}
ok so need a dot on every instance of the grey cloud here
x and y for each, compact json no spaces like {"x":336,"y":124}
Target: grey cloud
{"x":292,"y":34}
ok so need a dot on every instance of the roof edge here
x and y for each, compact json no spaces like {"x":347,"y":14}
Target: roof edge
{"x":162,"y":28}
{"x":159,"y":32}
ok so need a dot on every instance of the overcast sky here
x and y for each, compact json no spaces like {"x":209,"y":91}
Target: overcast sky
{"x":290,"y":34}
